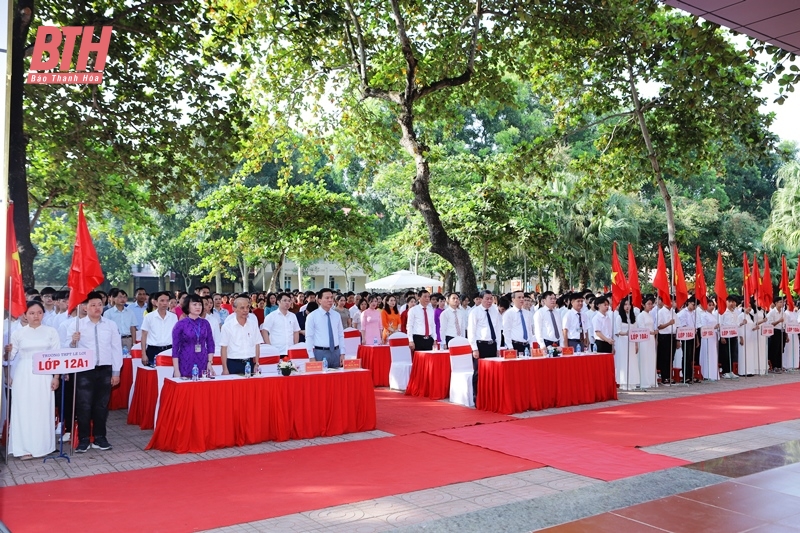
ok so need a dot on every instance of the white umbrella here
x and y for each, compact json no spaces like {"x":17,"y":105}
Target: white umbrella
{"x":403,"y":279}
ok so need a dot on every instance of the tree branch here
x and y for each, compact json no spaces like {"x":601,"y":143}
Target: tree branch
{"x":362,"y":54}
{"x":408,"y":52}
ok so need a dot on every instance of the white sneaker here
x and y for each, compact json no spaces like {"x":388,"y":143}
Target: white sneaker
{"x":66,"y":437}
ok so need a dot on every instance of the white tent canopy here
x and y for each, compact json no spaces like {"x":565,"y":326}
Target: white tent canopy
{"x":403,"y":279}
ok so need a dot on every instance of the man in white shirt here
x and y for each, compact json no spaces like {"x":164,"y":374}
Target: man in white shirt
{"x":687,"y":318}
{"x":324,"y":332}
{"x":239,"y":340}
{"x":139,"y":305}
{"x":602,"y":323}
{"x":47,"y":296}
{"x":574,"y":325}
{"x":421,"y":326}
{"x":484,"y":331}
{"x":93,"y":387}
{"x":62,"y":302}
{"x":546,"y":322}
{"x":665,"y":349}
{"x":775,"y":344}
{"x":453,"y":320}
{"x":157,"y":330}
{"x":518,"y":323}
{"x":122,"y":316}
{"x":281,"y":329}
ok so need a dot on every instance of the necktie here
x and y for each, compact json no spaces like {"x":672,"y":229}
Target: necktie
{"x":331,"y":343}
{"x":458,"y":326}
{"x":427,"y":328}
{"x":96,"y":347}
{"x":580,"y":322}
{"x":491,"y":326}
{"x":524,"y":327}
{"x":555,"y":326}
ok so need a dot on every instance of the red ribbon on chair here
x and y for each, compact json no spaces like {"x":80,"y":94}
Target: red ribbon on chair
{"x":269,"y":360}
{"x":298,"y":353}
{"x":399,"y":342}
{"x":217,"y":360}
{"x":163,"y":360}
{"x":352,"y":333}
{"x":461,"y":350}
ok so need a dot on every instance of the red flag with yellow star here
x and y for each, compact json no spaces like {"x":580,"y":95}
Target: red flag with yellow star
{"x":661,"y":281}
{"x":681,"y":290}
{"x":85,"y":274}
{"x":14,"y":269}
{"x":700,"y":288}
{"x":766,"y":294}
{"x":619,"y":285}
{"x":719,"y":286}
{"x":785,"y":289}
{"x":748,"y":282}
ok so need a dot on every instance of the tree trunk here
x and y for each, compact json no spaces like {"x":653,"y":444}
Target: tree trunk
{"x":276,"y":273}
{"x":17,"y":173}
{"x":218,"y":282}
{"x":245,"y":271}
{"x":161,"y":287}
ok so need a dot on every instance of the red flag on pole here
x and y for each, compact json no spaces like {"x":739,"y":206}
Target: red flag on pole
{"x":766,"y":286}
{"x":787,"y":292}
{"x":755,"y":281}
{"x":633,"y":279}
{"x":85,"y":274}
{"x":681,"y":291}
{"x":619,"y":286}
{"x":700,"y":288}
{"x":747,"y":281}
{"x":661,"y":281}
{"x":16,"y":291}
{"x":796,"y":286}
{"x":719,"y":286}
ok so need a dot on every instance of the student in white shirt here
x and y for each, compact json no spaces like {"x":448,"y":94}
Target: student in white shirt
{"x":775,"y":344}
{"x":157,"y":330}
{"x":280,"y":328}
{"x":603,"y":326}
{"x":665,"y":349}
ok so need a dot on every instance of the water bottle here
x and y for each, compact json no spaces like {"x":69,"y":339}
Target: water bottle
{"x":195,"y":373}
{"x":578,"y":348}
{"x":375,"y":341}
{"x":247,"y":369}
{"x":279,"y":369}
{"x":527,"y":353}
{"x":325,"y":365}
{"x":549,"y":351}
{"x":125,"y":352}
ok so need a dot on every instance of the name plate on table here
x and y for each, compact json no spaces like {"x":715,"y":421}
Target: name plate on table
{"x":537,"y":352}
{"x":509,"y":354}
{"x":685,"y":334}
{"x":767,"y":330}
{"x":638,"y":334}
{"x":350,"y":364}
{"x":567,"y":350}
{"x":728,"y":332}
{"x":66,"y":361}
{"x":314,"y":366}
{"x":707,"y":333}
{"x":792,"y":327}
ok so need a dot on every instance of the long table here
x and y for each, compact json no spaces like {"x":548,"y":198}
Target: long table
{"x":142,"y":410}
{"x":510,"y":386}
{"x":430,"y":375}
{"x":234,"y":411}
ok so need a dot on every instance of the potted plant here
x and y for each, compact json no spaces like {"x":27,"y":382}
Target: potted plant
{"x":286,"y":367}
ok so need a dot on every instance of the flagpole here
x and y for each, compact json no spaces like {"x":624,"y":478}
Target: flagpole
{"x":4,"y":379}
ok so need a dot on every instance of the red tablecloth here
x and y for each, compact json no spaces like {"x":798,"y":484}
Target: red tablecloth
{"x":517,"y":385}
{"x":195,"y":417}
{"x":121,"y":393}
{"x":378,"y":360}
{"x":430,"y":375}
{"x":142,"y":410}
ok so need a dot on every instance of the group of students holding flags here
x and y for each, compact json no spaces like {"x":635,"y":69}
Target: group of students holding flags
{"x":750,"y":335}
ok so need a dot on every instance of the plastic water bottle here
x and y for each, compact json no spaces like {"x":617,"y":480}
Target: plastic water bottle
{"x":375,"y":341}
{"x":325,"y":365}
{"x":527,"y":353}
{"x":549,"y":351}
{"x":578,"y":348}
{"x":247,"y":369}
{"x":125,"y":352}
{"x":195,"y":373}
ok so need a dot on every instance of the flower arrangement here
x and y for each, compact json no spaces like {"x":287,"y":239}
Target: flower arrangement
{"x":286,"y":367}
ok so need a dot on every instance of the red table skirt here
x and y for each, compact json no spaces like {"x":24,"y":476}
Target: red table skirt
{"x":378,"y":360}
{"x":430,"y":375}
{"x":142,"y":410}
{"x":121,"y":393}
{"x":518,"y":385}
{"x":195,"y":417}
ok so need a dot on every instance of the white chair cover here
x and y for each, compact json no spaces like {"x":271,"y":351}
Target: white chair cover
{"x":461,"y":371}
{"x":400,"y":370}
{"x":267,"y":350}
{"x":298,"y":353}
{"x":162,"y":372}
{"x":136,"y":363}
{"x":352,"y":340}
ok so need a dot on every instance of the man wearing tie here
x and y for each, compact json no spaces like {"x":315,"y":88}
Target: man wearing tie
{"x":574,"y":329}
{"x":452,"y":321}
{"x":546,"y":323}
{"x":324,"y":332}
{"x":484,"y":329}
{"x":518,"y":323}
{"x":421,"y":327}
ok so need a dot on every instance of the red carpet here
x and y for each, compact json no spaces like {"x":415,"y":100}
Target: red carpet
{"x":402,"y":415}
{"x":573,"y":454}
{"x":221,"y":492}
{"x":657,"y":422}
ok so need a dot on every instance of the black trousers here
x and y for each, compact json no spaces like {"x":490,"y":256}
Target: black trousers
{"x":775,"y":349}
{"x":485,"y":349}
{"x":664,"y":354}
{"x":236,"y":366}
{"x":447,"y":339}
{"x":520,"y":346}
{"x":66,"y":412}
{"x":93,"y":389}
{"x":153,"y":351}
{"x":603,"y":346}
{"x":689,"y":354}
{"x":423,"y":343}
{"x":729,"y":348}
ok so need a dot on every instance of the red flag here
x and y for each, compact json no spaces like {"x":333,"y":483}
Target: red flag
{"x":85,"y":274}
{"x":796,"y":286}
{"x":787,"y":292}
{"x":14,"y":269}
{"x":747,"y":281}
{"x":619,"y":286}
{"x":700,"y":288}
{"x":766,"y":286}
{"x":719,"y":286}
{"x":681,"y":291}
{"x":661,"y":281}
{"x":755,"y":281}
{"x":633,"y":279}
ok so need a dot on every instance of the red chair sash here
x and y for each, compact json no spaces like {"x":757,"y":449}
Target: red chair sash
{"x":269,"y":360}
{"x":217,"y":360}
{"x":163,"y":360}
{"x":398,"y":342}
{"x":461,"y":350}
{"x":298,"y":353}
{"x":352,"y":334}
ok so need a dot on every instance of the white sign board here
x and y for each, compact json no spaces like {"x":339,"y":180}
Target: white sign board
{"x":65,"y":361}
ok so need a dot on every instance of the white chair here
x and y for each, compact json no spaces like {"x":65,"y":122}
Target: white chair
{"x":461,"y":371}
{"x":136,"y":364}
{"x":268,"y":359}
{"x":298,"y":353}
{"x":164,"y":369}
{"x":400,"y":370}
{"x":352,"y":340}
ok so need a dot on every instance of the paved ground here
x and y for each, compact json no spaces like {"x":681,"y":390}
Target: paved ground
{"x":517,"y":502}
